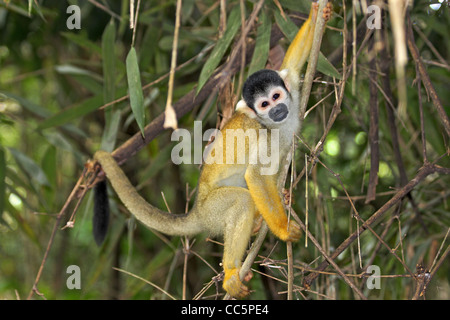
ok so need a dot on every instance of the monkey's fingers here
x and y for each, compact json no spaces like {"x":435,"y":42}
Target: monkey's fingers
{"x":327,"y":11}
{"x":294,"y":232}
{"x":287,"y":197}
{"x":248,"y":276}
{"x":315,"y":10}
{"x":257,"y":223}
{"x":233,"y":285}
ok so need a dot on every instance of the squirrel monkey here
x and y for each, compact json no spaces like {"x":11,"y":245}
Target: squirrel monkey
{"x":232,"y":196}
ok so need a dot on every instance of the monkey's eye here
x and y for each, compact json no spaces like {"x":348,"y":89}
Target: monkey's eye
{"x":275,"y":96}
{"x":264,"y":104}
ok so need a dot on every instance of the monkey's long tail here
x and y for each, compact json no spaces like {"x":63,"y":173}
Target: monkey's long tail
{"x":150,"y":216}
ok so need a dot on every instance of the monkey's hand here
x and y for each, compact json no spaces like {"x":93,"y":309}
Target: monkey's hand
{"x":233,"y":284}
{"x":293,"y":232}
{"x":327,"y":11}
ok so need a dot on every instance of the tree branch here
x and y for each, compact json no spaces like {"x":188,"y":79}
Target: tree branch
{"x":424,"y":172}
{"x":425,"y":78}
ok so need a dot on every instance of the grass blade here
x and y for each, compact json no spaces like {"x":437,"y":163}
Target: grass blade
{"x":262,"y":45}
{"x":221,"y":47}
{"x":135,"y":89}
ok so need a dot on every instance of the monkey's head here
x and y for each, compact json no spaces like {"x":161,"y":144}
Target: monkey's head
{"x":265,"y":92}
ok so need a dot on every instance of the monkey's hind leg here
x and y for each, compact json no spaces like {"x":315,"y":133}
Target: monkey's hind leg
{"x":239,"y":214}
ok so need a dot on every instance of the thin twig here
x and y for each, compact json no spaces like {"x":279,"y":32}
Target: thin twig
{"x":312,"y":62}
{"x":330,"y":260}
{"x":52,"y":236}
{"x":373,"y":128}
{"x":146,"y":281}
{"x":423,"y":173}
{"x":426,"y":79}
{"x":170,"y":120}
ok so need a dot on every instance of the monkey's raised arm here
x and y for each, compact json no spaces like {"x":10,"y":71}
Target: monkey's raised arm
{"x":299,"y":49}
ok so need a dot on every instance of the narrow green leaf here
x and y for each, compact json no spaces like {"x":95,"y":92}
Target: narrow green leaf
{"x":77,"y":71}
{"x":233,"y":25}
{"x":262,"y":45}
{"x":83,"y":41}
{"x":51,"y":169}
{"x":2,"y":183}
{"x":108,"y":59}
{"x":288,"y":28}
{"x":86,"y":78}
{"x":30,"y":167}
{"x":112,"y":116}
{"x":325,"y":66}
{"x":28,"y":105}
{"x":135,"y":89}
{"x":296,"y":5}
{"x":72,"y":113}
{"x":110,"y":131}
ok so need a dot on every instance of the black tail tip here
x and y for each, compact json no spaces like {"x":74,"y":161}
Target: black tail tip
{"x":100,"y":220}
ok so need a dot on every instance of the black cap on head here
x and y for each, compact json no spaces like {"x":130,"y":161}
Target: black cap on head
{"x":258,"y":83}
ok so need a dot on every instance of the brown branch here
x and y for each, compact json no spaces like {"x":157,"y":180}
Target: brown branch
{"x":424,"y":172}
{"x":53,"y":234}
{"x":191,"y":99}
{"x":385,"y":62}
{"x":329,"y":259}
{"x":425,"y":78}
{"x":373,"y":128}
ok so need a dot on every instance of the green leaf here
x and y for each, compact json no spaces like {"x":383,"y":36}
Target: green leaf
{"x":88,"y":79}
{"x":108,"y":59}
{"x":135,"y":89}
{"x":50,"y":168}
{"x":262,"y":45}
{"x":28,"y":105}
{"x":296,"y":5}
{"x":288,"y":28}
{"x":325,"y":66}
{"x":83,"y":41}
{"x":73,"y":70}
{"x":72,"y":113}
{"x":112,"y":116}
{"x":33,"y":171}
{"x":233,"y":24}
{"x":2,"y":183}
{"x":110,"y":131}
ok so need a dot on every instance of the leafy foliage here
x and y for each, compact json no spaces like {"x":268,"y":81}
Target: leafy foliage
{"x":66,"y":93}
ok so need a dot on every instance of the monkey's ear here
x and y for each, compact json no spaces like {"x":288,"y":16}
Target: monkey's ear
{"x":284,"y":75}
{"x":244,"y":108}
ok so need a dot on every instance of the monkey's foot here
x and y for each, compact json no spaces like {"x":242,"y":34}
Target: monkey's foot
{"x":257,"y":223}
{"x":287,"y":197}
{"x":327,"y":11}
{"x":315,"y":10}
{"x":233,"y":285}
{"x":294,"y":232}
{"x":248,"y":276}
